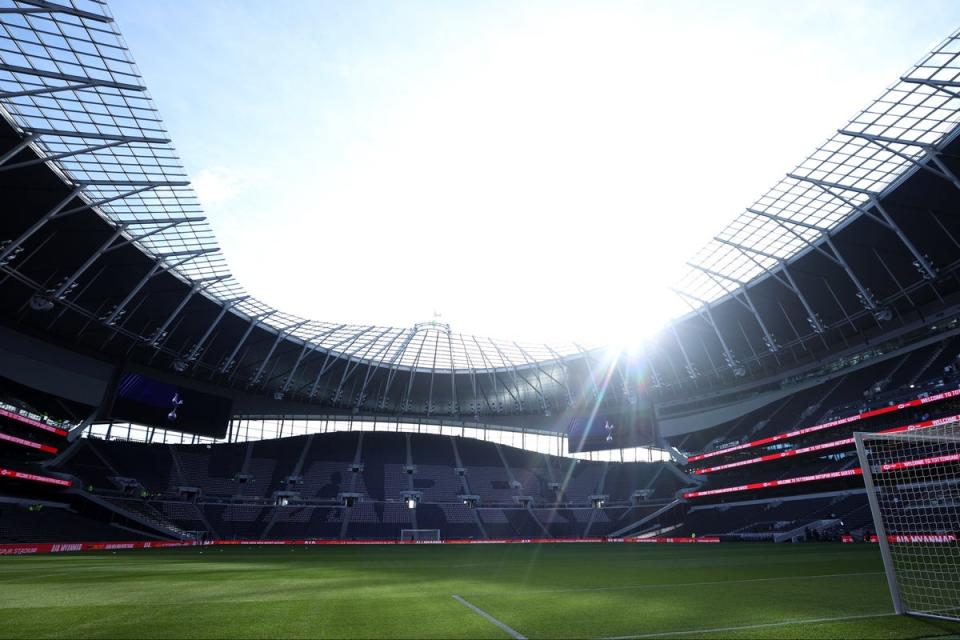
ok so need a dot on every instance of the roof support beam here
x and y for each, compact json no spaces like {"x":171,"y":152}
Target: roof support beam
{"x":747,"y":302}
{"x":17,"y":148}
{"x":67,"y":284}
{"x":110,"y":245}
{"x":812,"y":317}
{"x":702,"y":308}
{"x":13,"y":245}
{"x":59,"y":156}
{"x":473,"y":379}
{"x":885,"y":142}
{"x":102,"y":201}
{"x":330,"y":355}
{"x":371,"y":369}
{"x":39,"y":91}
{"x":67,"y":77}
{"x":593,"y":377}
{"x":309,"y":346}
{"x":751,"y":254}
{"x":42,"y":6}
{"x":281,"y":334}
{"x":939,"y":85}
{"x":164,"y":226}
{"x":405,"y":399}
{"x":198,"y":346}
{"x":692,"y":372}
{"x":159,"y":265}
{"x":359,"y":359}
{"x":392,"y":374}
{"x":831,"y":189}
{"x":455,"y":404}
{"x":837,"y":258}
{"x":255,"y":322}
{"x":491,"y":373}
{"x":94,"y":135}
{"x":538,"y":364}
{"x":563,"y":382}
{"x":198,"y":285}
{"x":518,"y":398}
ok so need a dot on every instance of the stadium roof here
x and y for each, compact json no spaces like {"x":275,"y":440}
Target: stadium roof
{"x":845,"y":175}
{"x":69,"y":83}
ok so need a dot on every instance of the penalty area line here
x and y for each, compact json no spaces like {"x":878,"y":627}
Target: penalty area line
{"x":747,"y":627}
{"x":510,"y":631}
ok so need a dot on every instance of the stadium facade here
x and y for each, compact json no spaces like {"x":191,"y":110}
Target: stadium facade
{"x":826,"y":302}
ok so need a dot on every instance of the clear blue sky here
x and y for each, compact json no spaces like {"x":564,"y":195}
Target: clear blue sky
{"x":531,"y":170}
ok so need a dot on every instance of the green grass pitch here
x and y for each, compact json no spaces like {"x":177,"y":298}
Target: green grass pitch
{"x":537,"y":591}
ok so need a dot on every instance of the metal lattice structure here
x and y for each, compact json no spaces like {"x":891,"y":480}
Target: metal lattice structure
{"x":902,"y":130}
{"x":69,"y":84}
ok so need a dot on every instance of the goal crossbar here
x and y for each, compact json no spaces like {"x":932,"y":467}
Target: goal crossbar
{"x":420,"y":535}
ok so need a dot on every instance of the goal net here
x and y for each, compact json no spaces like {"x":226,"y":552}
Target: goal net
{"x":420,"y":535}
{"x":913,"y":486}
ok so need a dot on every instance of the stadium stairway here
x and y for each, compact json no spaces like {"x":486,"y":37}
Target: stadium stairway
{"x":466,"y":488}
{"x":157,"y":524}
{"x":644,"y":520}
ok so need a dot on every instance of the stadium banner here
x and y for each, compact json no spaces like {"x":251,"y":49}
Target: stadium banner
{"x":923,"y":462}
{"x":892,"y":466}
{"x":32,"y":477}
{"x":27,"y":443}
{"x":775,"y":483}
{"x":916,"y":402}
{"x":937,"y":538}
{"x":11,"y":412}
{"x":926,"y":424}
{"x":72,"y":547}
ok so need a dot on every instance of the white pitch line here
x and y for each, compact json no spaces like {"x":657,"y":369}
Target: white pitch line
{"x":670,"y":585}
{"x":512,"y":632}
{"x":747,"y":627}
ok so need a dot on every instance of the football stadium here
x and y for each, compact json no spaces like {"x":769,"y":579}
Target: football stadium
{"x":779,"y":457}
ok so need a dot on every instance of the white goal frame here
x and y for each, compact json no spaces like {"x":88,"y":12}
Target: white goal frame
{"x":420,"y":535}
{"x":916,"y":516}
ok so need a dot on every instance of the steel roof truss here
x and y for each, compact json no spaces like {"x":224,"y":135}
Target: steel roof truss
{"x":283,"y":333}
{"x":254,"y":323}
{"x":6,"y":251}
{"x":226,"y":306}
{"x":159,"y":265}
{"x":197,"y":286}
{"x":746,"y":303}
{"x":42,"y":6}
{"x":884,"y":219}
{"x":885,"y":142}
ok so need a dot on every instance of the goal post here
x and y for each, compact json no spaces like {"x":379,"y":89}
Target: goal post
{"x":912,"y":481}
{"x":420,"y":535}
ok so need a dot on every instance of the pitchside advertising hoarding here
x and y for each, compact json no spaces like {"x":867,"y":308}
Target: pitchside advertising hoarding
{"x":72,"y":547}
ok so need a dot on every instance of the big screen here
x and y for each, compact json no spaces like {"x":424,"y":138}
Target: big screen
{"x":150,"y":402}
{"x":634,"y":426}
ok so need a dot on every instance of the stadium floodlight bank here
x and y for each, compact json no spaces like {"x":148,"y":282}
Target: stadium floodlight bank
{"x":913,"y":486}
{"x":420,"y":535}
